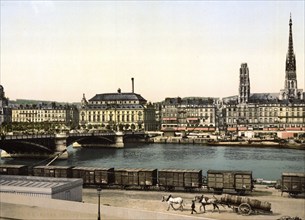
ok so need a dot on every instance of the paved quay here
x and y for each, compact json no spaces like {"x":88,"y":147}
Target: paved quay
{"x":26,"y":207}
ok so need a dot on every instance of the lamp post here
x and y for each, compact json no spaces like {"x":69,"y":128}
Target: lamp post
{"x":99,"y":190}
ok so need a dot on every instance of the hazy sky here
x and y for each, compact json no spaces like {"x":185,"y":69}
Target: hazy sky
{"x":58,"y":50}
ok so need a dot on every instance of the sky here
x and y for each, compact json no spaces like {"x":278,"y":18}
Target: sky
{"x":58,"y":50}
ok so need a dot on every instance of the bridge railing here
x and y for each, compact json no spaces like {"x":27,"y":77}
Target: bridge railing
{"x":96,"y":134}
{"x":28,"y":136}
{"x":91,"y":134}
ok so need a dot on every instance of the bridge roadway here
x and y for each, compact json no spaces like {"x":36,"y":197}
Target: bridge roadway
{"x":50,"y":145}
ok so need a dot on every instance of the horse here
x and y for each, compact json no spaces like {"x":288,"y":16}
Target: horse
{"x":171,"y":200}
{"x":208,"y":201}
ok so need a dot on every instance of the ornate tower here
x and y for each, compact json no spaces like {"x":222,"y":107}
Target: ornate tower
{"x":244,"y":84}
{"x":290,"y":90}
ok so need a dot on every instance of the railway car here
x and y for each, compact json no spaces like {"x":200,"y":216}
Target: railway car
{"x":293,"y":183}
{"x":86,"y":173}
{"x":148,"y":178}
{"x":126,"y":177}
{"x":144,"y":178}
{"x":104,"y":176}
{"x":53,"y":171}
{"x":7,"y":169}
{"x":240,"y":181}
{"x":169,"y":179}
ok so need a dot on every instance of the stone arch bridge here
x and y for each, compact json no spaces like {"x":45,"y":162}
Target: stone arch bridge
{"x":48,"y":145}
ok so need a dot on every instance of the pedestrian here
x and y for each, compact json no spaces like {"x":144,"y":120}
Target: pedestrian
{"x":193,"y":207}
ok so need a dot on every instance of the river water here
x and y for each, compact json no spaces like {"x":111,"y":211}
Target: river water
{"x":267,"y":163}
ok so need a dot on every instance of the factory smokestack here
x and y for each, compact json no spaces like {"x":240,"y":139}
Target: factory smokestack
{"x":132,"y":83}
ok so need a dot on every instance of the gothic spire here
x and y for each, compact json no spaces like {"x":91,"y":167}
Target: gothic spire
{"x":290,"y":58}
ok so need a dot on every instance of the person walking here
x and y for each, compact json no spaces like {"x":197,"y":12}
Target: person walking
{"x":193,"y":207}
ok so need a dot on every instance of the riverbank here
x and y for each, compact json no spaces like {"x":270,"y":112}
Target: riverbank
{"x":130,"y":204}
{"x":209,"y":142}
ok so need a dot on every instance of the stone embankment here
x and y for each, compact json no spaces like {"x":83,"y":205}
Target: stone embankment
{"x":243,"y":143}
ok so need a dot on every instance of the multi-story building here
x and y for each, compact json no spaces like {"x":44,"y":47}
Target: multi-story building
{"x":284,"y":111}
{"x":188,"y":114}
{"x":5,"y":110}
{"x":118,"y":111}
{"x":42,"y":116}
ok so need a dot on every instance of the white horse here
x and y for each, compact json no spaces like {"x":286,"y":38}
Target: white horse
{"x":208,"y":201}
{"x":171,"y":200}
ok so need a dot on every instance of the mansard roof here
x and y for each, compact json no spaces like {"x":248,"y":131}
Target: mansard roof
{"x":189,"y":101}
{"x":117,"y":97}
{"x":263,"y":97}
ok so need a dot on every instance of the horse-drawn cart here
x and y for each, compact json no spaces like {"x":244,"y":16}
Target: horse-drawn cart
{"x":246,"y":206}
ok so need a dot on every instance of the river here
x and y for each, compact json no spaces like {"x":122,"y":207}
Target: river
{"x":267,"y":163}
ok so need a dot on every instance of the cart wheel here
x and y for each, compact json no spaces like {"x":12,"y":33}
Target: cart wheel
{"x":244,"y":209}
{"x":293,"y":194}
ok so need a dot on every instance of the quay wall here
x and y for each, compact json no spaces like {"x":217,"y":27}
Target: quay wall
{"x":208,"y":142}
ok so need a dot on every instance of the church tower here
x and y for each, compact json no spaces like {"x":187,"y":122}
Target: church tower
{"x":244,"y":84}
{"x":291,"y":90}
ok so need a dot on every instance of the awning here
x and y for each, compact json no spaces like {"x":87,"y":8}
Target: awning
{"x":169,"y":119}
{"x":192,"y":119}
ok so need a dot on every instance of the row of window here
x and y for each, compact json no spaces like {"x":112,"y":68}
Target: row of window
{"x":37,"y":120}
{"x":38,"y":111}
{"x":266,"y":114}
{"x":266,"y":120}
{"x":262,"y":109}
{"x":113,"y":102}
{"x":103,"y":118}
{"x":111,"y":112}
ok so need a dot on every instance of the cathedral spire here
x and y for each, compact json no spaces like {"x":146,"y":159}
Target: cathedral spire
{"x":290,"y":58}
{"x":291,"y":90}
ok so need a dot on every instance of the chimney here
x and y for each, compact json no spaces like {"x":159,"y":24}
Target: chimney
{"x":132,"y":82}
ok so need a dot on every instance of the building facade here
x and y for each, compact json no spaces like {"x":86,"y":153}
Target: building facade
{"x":284,"y":111}
{"x":5,"y":110}
{"x":188,"y":114}
{"x":45,"y":116}
{"x":117,"y":111}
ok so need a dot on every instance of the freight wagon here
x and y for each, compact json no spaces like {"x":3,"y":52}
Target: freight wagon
{"x":13,"y":169}
{"x":145,"y":178}
{"x":94,"y":175}
{"x":293,"y":183}
{"x":53,"y":171}
{"x":169,"y":179}
{"x":240,"y":181}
